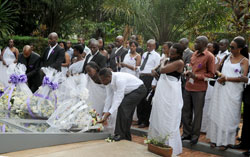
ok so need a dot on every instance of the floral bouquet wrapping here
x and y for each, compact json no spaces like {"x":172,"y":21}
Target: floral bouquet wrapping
{"x":14,"y":97}
{"x":73,"y":113}
{"x":44,"y":102}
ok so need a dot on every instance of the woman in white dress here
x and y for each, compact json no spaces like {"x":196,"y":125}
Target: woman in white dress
{"x":167,"y":102}
{"x":131,"y":60}
{"x":214,"y":48}
{"x":9,"y":56}
{"x":225,"y":107}
{"x":130,"y":64}
{"x":66,"y":63}
{"x":76,"y":67}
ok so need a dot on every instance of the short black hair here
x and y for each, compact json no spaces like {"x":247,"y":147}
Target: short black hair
{"x":168,"y":43}
{"x":216,"y":48}
{"x":133,"y":42}
{"x":106,"y":72}
{"x":79,"y":48}
{"x":241,"y":43}
{"x":93,"y":65}
{"x":64,"y":43}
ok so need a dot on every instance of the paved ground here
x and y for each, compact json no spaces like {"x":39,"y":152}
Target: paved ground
{"x":98,"y":148}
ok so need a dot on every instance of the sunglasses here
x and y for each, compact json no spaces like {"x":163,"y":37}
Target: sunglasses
{"x":232,"y":47}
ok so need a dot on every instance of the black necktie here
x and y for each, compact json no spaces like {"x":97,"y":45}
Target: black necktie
{"x":144,"y":62}
{"x":85,"y":63}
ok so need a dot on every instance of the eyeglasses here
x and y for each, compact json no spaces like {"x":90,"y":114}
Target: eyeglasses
{"x":232,"y":47}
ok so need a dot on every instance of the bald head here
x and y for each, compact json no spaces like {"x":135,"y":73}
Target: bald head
{"x":52,"y":39}
{"x":184,"y":42}
{"x":119,"y":41}
{"x":27,"y":51}
{"x":201,"y":43}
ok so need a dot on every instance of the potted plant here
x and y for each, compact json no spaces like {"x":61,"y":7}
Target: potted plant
{"x":158,"y":146}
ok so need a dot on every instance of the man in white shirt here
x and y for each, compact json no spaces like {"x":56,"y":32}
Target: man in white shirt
{"x":124,"y":92}
{"x":150,"y":60}
{"x":82,"y":42}
{"x":224,"y":43}
{"x":70,"y":50}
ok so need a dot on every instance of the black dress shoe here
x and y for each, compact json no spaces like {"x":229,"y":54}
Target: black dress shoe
{"x":142,"y":125}
{"x":247,"y":153}
{"x":138,"y":123}
{"x":185,"y":138}
{"x":116,"y":138}
{"x":193,"y":142}
{"x":238,"y":146}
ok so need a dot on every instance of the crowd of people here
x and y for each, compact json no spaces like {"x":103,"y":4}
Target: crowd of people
{"x":199,"y":91}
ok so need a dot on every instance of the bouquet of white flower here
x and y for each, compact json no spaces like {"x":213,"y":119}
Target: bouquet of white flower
{"x":44,"y":102}
{"x":13,"y":98}
{"x":73,"y":113}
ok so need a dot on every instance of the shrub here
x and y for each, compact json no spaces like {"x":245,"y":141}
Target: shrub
{"x":20,"y":41}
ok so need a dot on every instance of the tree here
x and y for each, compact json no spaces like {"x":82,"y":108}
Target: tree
{"x":8,"y":16}
{"x":240,"y":17}
{"x":169,"y":19}
{"x":205,"y":16}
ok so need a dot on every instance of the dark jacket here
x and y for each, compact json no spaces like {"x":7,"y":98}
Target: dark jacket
{"x":113,"y":57}
{"x":99,"y":59}
{"x":32,"y":72}
{"x":55,"y":59}
{"x":246,"y":94}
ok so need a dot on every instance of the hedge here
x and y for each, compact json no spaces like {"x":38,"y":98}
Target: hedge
{"x":20,"y":41}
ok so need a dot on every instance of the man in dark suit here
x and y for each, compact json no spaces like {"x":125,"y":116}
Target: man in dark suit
{"x":53,"y":55}
{"x":117,"y":54}
{"x":94,"y":56}
{"x":32,"y":62}
{"x":245,"y":136}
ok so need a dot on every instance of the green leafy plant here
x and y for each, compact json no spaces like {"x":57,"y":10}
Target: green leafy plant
{"x":158,"y":141}
{"x":8,"y":15}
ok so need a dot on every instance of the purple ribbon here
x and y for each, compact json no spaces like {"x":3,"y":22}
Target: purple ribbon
{"x":15,"y":79}
{"x":29,"y":109}
{"x":3,"y":128}
{"x":42,"y":96}
{"x":1,"y":93}
{"x":51,"y":85}
{"x":10,"y":95}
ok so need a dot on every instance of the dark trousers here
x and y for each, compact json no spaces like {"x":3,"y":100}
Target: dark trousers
{"x":245,"y":135}
{"x":193,"y":105}
{"x":144,"y":107}
{"x":126,"y":111}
